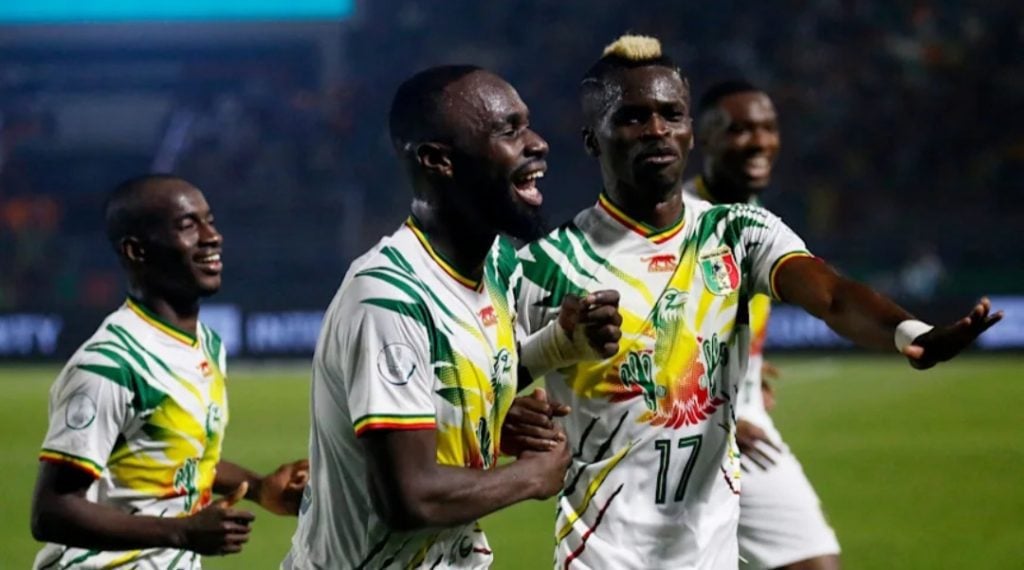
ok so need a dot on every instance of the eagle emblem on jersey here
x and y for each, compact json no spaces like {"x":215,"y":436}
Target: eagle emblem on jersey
{"x":720,"y":272}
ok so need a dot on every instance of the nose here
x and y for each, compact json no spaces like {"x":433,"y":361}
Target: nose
{"x":762,"y":138}
{"x":208,"y":235}
{"x":536,"y":146}
{"x":655,"y":127}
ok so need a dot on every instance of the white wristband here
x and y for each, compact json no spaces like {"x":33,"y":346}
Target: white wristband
{"x":908,"y":331}
{"x":550,"y":349}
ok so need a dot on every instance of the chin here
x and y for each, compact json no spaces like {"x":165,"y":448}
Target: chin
{"x":526,"y":225}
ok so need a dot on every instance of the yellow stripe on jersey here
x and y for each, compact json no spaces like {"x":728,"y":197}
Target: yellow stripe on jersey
{"x":441,"y":262}
{"x":122,"y":560}
{"x":778,"y":263}
{"x":53,"y":456}
{"x":157,"y":323}
{"x":657,"y":235}
{"x":394,"y":422}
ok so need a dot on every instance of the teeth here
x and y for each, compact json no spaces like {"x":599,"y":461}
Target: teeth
{"x":535,"y":175}
{"x":210,"y":258}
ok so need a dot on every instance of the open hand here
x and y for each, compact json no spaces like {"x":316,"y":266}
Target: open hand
{"x":943,"y":343}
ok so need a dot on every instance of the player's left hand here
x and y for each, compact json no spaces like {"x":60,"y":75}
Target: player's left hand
{"x":943,"y":343}
{"x":281,"y":491}
{"x":598,"y":316}
{"x":529,"y":424}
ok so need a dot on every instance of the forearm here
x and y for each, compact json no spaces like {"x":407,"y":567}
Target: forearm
{"x":74,"y":521}
{"x":862,"y":315}
{"x":448,"y":496}
{"x":852,"y":309}
{"x":231,"y":475}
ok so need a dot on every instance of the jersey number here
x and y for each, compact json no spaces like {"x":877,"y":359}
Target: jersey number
{"x":664,"y":446}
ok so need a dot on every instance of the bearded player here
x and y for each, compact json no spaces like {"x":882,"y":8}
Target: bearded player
{"x":417,"y":362}
{"x":132,"y":456}
{"x":781,"y":521}
{"x":655,"y":476}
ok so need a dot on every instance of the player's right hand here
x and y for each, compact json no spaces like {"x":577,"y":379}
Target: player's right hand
{"x":529,"y":426}
{"x":598,"y":315}
{"x":549,"y":467}
{"x":752,"y":441}
{"x":219,"y":528}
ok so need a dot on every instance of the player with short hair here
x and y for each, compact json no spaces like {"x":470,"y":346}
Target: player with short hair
{"x":655,"y":476}
{"x":132,"y":455}
{"x":417,"y":361}
{"x":781,"y":522}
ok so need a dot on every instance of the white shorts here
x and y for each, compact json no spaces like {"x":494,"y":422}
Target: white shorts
{"x":781,"y":521}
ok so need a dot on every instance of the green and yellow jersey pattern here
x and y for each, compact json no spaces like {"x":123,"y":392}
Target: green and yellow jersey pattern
{"x":655,"y":473}
{"x":142,"y":408}
{"x":408,"y":343}
{"x":749,"y":401}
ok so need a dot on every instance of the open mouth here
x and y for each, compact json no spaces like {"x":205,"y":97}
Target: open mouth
{"x":759,"y":166}
{"x":525,"y":184}
{"x":209,"y":263}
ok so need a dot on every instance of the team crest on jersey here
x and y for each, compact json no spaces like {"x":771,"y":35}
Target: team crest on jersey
{"x":720,"y":272}
{"x":488,"y":316}
{"x":204,"y":369}
{"x":661,"y":263}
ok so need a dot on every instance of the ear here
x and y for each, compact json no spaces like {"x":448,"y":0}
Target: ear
{"x":435,"y":158}
{"x":590,"y":142}
{"x":132,"y":250}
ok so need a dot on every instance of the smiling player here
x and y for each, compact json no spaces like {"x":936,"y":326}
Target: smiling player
{"x":131,"y":459}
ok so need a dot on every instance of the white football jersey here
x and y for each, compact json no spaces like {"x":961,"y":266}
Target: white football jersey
{"x":750,"y":400}
{"x":407,"y":343}
{"x":142,"y":407}
{"x":655,"y":476}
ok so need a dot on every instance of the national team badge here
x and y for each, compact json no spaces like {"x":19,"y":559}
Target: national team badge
{"x":720,"y":272}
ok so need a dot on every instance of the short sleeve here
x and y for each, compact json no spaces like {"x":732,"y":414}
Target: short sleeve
{"x":89,"y":408}
{"x":387,"y":366}
{"x":770,"y":243}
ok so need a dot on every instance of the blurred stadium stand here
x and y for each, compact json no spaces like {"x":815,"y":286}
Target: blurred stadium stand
{"x":902,"y":160}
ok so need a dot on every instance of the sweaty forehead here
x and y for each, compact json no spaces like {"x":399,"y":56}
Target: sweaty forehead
{"x":481,"y":99}
{"x":651,"y":83}
{"x":749,"y":106}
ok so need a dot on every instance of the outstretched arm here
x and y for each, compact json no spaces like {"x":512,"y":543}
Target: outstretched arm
{"x":870,"y":319}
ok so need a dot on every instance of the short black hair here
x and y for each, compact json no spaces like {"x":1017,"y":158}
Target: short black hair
{"x":415,"y":109}
{"x":123,"y":210}
{"x":598,"y":88}
{"x":722,"y":89}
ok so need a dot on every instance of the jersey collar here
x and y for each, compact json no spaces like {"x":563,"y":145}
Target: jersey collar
{"x":444,"y":264}
{"x":160,"y":324}
{"x":656,"y":235}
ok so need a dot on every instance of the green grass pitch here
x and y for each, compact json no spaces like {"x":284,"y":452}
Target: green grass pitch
{"x":916,"y":470}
